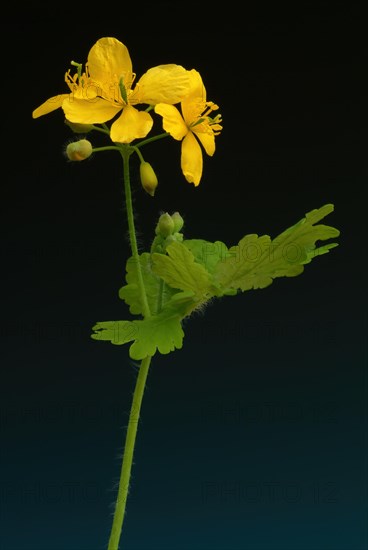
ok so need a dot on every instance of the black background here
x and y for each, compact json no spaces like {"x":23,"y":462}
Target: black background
{"x":253,"y":436}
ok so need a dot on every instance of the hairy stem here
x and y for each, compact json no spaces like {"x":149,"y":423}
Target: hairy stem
{"x":128,"y":455}
{"x":142,"y":374}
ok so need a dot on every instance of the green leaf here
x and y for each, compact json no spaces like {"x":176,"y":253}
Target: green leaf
{"x":256,"y":261}
{"x":116,"y":332}
{"x":130,"y":292}
{"x":162,"y":332}
{"x":196,"y":270}
{"x":206,"y":253}
{"x":180,"y":270}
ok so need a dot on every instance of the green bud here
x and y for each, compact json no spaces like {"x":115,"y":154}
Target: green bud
{"x":79,"y":128}
{"x":165,"y":225}
{"x":175,"y":237}
{"x":178,"y":237}
{"x":148,"y":178}
{"x":79,"y":150}
{"x":178,"y":221}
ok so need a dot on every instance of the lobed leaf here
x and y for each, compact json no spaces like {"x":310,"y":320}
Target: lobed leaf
{"x":180,"y":270}
{"x":206,"y":253}
{"x":162,"y":332}
{"x":256,"y":261}
{"x":130,"y":292}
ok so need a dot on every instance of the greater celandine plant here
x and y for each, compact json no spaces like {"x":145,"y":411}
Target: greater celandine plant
{"x":177,"y":276}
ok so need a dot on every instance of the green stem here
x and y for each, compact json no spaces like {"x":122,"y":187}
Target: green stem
{"x":126,"y":467}
{"x":105,"y":148}
{"x":104,"y":130}
{"x":136,"y":149}
{"x":128,"y":455}
{"x":125,"y":153}
{"x":154,"y":138}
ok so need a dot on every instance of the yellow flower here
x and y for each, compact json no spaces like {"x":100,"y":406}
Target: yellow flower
{"x":80,"y":86}
{"x":106,"y":89}
{"x":194,"y":122}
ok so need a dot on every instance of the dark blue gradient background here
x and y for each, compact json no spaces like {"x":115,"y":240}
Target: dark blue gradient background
{"x":254,"y":435}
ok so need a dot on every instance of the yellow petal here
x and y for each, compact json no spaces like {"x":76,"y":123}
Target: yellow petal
{"x":108,"y":62}
{"x":191,"y":159}
{"x":196,"y":86}
{"x":162,"y":84}
{"x":172,"y":121}
{"x":95,"y":111}
{"x":132,"y":124}
{"x":208,"y":142}
{"x":49,"y":105}
{"x":194,"y":103}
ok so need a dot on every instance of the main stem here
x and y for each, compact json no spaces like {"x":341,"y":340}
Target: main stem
{"x":142,"y":375}
{"x":128,"y":455}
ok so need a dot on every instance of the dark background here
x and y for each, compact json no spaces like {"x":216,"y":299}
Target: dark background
{"x":253,"y":435}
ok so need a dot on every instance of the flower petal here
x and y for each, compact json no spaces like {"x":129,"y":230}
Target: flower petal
{"x":196,"y":86}
{"x":208,"y":142}
{"x":191,"y":159}
{"x":195,"y":102}
{"x":108,"y":62}
{"x":162,"y":84}
{"x":95,"y":111}
{"x":172,"y":121}
{"x":49,"y":105}
{"x":132,"y":124}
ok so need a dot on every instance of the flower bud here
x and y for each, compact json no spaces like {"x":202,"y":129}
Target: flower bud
{"x":79,"y":128}
{"x":174,"y":237}
{"x":79,"y":150}
{"x":178,"y":221}
{"x":148,"y":178}
{"x":165,"y":225}
{"x":178,"y":237}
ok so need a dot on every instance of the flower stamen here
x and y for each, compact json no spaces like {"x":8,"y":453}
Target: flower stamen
{"x":79,"y":68}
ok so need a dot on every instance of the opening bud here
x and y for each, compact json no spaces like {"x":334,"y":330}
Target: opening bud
{"x":79,"y":150}
{"x":148,"y":178}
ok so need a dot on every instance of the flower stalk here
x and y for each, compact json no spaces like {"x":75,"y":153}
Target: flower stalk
{"x":126,"y":151}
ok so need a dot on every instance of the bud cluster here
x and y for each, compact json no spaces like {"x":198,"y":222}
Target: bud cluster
{"x":167,"y":231}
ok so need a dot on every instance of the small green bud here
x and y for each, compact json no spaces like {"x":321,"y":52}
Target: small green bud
{"x":178,"y":221}
{"x":79,"y":150}
{"x":148,"y":178}
{"x":165,"y":225}
{"x":79,"y":128}
{"x":175,"y":237}
{"x":179,"y":237}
